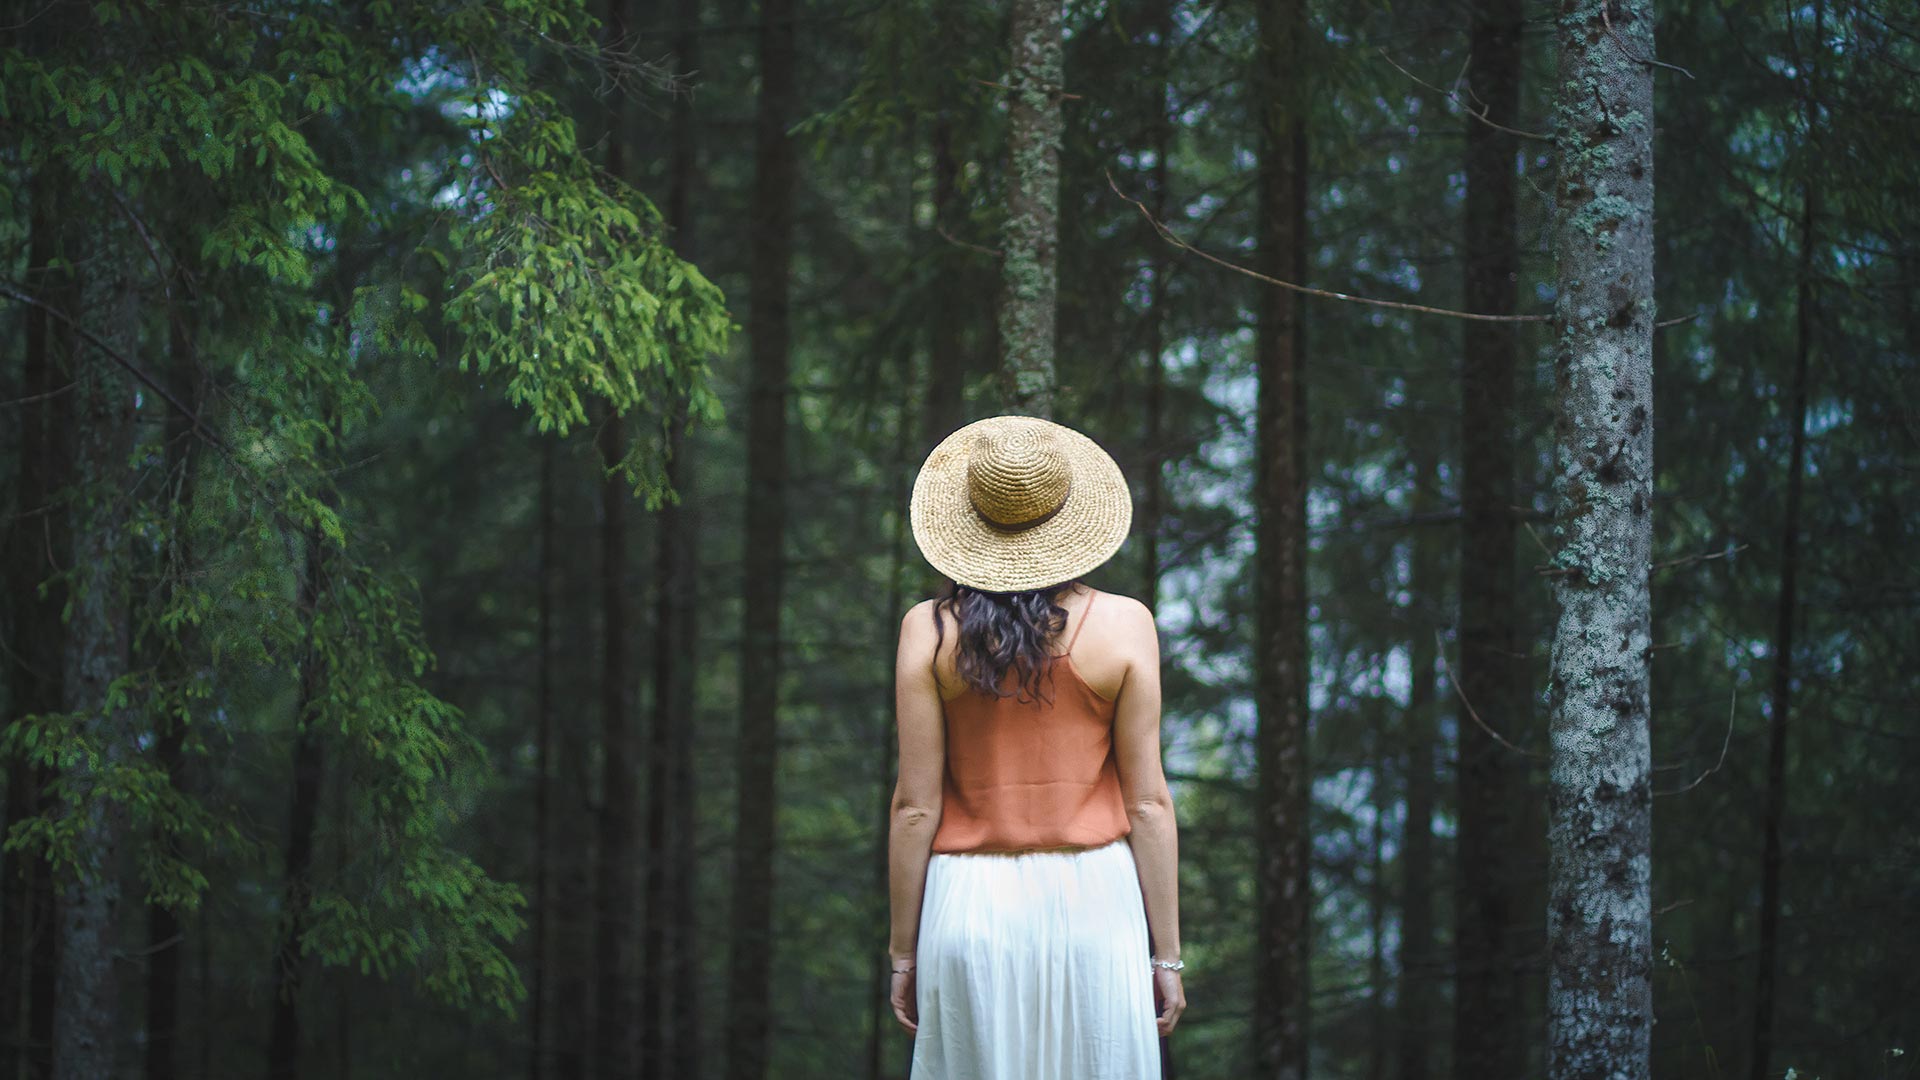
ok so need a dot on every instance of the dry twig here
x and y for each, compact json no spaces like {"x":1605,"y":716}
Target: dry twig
{"x":1447,"y":669}
{"x":1453,"y":96}
{"x":1171,"y":237}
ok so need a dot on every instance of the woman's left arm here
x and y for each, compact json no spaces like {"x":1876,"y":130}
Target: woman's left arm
{"x":916,"y":794}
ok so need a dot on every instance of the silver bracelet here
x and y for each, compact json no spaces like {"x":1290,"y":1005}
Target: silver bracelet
{"x":1170,"y":965}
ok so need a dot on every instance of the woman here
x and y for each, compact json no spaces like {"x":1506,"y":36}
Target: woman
{"x":1033,"y":854}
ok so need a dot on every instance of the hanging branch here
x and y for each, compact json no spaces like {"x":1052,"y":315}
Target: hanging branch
{"x":1607,"y":21}
{"x":1447,"y":669}
{"x":113,"y":354}
{"x":1732,"y":694}
{"x":1454,"y":96}
{"x":1173,"y":238}
{"x":1170,"y":237}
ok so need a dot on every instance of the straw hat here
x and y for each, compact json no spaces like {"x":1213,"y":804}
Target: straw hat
{"x":1017,"y":502}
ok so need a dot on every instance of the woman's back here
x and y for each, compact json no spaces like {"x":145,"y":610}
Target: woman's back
{"x":1023,"y":927}
{"x":1027,"y":774}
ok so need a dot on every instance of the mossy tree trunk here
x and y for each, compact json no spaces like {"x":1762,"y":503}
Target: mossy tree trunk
{"x":1030,"y":245}
{"x":1600,"y":1000}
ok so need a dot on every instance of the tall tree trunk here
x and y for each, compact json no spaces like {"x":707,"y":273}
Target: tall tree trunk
{"x":86,"y":1005}
{"x":886,"y":745}
{"x":1377,"y":1045}
{"x":616,"y":1043}
{"x":1282,"y":886}
{"x":750,"y":1016}
{"x":614,"y":893}
{"x":1153,"y":510}
{"x":1030,"y":248}
{"x":946,"y":383}
{"x":667,"y":944}
{"x":1600,"y":998}
{"x":1489,"y":1015}
{"x":309,"y":772}
{"x":1779,"y":709}
{"x":165,"y":937}
{"x":544,"y":710}
{"x":165,"y":933}
{"x":38,"y":544}
{"x":575,"y":955}
{"x":1419,"y":972}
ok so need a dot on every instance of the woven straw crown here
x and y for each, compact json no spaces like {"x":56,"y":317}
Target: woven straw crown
{"x":1017,"y":477}
{"x":1011,"y":503}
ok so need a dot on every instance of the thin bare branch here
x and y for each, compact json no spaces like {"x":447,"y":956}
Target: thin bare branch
{"x":114,"y":354}
{"x":1607,"y":21}
{"x":1671,"y":563}
{"x":1171,"y":237}
{"x":1447,"y":669}
{"x":1732,"y":693}
{"x":1480,"y":114}
{"x":957,"y":242}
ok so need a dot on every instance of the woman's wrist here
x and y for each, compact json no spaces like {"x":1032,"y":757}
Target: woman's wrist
{"x":899,"y":960}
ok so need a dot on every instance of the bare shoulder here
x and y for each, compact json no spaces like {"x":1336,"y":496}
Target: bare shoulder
{"x":918,"y":621}
{"x":918,"y":634}
{"x":1128,"y":614}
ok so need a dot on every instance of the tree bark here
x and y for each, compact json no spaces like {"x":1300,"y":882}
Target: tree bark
{"x":1153,"y":509}
{"x":309,"y":773}
{"x":886,"y":750}
{"x":165,"y":933}
{"x":1600,"y":805}
{"x":1419,"y":973}
{"x":1283,"y":889}
{"x":1377,"y":1043}
{"x":669,"y":1044}
{"x":1489,"y":1013}
{"x":544,"y":710}
{"x":86,"y":1005}
{"x":946,"y":360}
{"x":1030,"y":247}
{"x":764,"y":566}
{"x":573,"y":923}
{"x":614,"y":892}
{"x":1779,"y":710}
{"x":38,"y":544}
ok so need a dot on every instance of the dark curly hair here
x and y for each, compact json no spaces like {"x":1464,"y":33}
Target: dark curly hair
{"x":1000,"y":632}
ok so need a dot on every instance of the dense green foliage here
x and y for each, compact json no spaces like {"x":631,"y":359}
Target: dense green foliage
{"x":373,"y":250}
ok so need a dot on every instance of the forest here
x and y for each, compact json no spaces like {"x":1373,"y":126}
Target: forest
{"x":454,"y":470}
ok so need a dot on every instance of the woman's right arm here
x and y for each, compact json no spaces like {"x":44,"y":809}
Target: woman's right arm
{"x":1143,"y":784}
{"x":916,"y":798}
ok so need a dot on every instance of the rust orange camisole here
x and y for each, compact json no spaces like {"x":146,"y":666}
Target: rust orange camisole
{"x":1027,"y":775}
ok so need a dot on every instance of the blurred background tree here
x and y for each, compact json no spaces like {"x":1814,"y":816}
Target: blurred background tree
{"x":455,"y":466}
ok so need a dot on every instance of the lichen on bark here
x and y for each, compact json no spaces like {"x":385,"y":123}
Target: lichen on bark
{"x":1030,"y":240}
{"x":1599,"y":917}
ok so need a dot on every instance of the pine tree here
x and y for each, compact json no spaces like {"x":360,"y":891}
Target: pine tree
{"x":1599,"y":918}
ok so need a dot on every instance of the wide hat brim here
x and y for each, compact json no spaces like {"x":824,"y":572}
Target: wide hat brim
{"x":1088,"y":528}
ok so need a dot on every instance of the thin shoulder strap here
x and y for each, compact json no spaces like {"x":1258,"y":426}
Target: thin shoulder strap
{"x":1083,"y":622}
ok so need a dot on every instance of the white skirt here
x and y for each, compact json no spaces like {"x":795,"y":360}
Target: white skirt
{"x":1034,"y":966}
